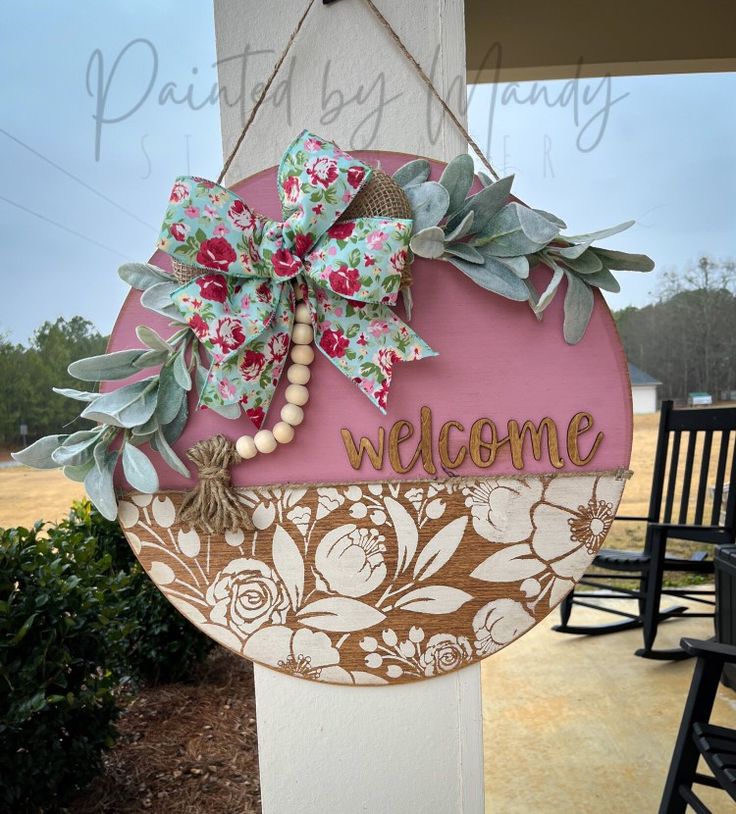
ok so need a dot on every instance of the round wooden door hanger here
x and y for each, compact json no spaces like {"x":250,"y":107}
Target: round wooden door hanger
{"x":412,"y":494}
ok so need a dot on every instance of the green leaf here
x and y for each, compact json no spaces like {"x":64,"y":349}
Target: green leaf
{"x":77,"y":449}
{"x":151,"y":358}
{"x":552,"y":218}
{"x":147,"y":427}
{"x":180,"y":369}
{"x":462,"y":229}
{"x":519,"y":265}
{"x":571,"y":252}
{"x":589,"y":237}
{"x":38,"y":454}
{"x":78,"y":395}
{"x":457,"y":178}
{"x":138,"y":470}
{"x":429,"y":242}
{"x":107,"y":367}
{"x":170,"y":395}
{"x":493,"y":276}
{"x":79,"y":473}
{"x":515,"y":231}
{"x":485,"y":179}
{"x":152,"y":340}
{"x":603,"y":279}
{"x":587,"y":263}
{"x":142,"y":275}
{"x":158,"y":298}
{"x":484,"y":205}
{"x":99,"y":485}
{"x":429,"y":202}
{"x":161,"y":445}
{"x":549,"y":292}
{"x":579,"y":303}
{"x":623,"y":261}
{"x":466,"y":251}
{"x":128,"y":406}
{"x":415,"y":172}
{"x":173,"y":430}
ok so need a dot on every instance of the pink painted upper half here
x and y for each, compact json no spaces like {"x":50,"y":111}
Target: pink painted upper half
{"x":495,"y":361}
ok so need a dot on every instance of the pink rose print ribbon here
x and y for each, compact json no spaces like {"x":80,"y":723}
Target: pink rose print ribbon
{"x":242,"y":305}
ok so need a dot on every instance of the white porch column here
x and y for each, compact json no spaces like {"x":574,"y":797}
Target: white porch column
{"x":415,"y":748}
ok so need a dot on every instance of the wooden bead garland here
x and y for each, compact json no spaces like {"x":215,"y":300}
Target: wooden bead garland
{"x":297,"y":395}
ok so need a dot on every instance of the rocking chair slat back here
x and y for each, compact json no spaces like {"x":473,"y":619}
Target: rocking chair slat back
{"x":695,"y":464}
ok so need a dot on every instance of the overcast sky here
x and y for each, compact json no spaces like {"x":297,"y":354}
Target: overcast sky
{"x":659,"y":150}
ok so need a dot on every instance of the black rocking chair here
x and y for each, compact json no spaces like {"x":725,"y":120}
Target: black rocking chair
{"x":677,"y":511}
{"x":699,"y":738}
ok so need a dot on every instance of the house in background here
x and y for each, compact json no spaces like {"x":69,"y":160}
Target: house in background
{"x":643,"y":391}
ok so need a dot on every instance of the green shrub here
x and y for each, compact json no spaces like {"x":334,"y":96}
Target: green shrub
{"x":61,"y":624}
{"x":77,"y":615}
{"x":160,"y":646}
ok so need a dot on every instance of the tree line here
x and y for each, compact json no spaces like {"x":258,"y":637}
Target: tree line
{"x":29,"y":372}
{"x":685,"y":338}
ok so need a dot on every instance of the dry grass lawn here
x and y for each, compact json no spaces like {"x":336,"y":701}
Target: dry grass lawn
{"x":27,"y":495}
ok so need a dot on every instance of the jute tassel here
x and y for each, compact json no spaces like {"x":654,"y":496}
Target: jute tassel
{"x":212,"y":505}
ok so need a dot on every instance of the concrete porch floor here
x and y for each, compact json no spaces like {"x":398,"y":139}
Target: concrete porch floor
{"x":579,"y":725}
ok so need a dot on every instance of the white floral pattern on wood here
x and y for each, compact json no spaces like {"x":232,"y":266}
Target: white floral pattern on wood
{"x":378,"y":583}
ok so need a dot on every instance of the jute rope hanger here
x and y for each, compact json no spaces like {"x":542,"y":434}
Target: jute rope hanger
{"x":402,"y":48}
{"x":213,"y":504}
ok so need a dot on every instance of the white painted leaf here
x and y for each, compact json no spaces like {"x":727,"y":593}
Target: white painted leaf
{"x":161,"y":573}
{"x":222,"y":635}
{"x":189,"y":542}
{"x":435,"y":599}
{"x":340,"y":614}
{"x":187,"y":610}
{"x":439,"y":549}
{"x":289,"y":563}
{"x":512,"y":563}
{"x":407,"y":535}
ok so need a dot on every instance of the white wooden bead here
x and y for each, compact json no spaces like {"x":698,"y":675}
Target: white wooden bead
{"x":297,"y":394}
{"x":302,"y":314}
{"x":302,"y":334}
{"x":292,"y":414}
{"x":245,"y":447}
{"x":298,"y":374}
{"x":264,"y":441}
{"x":283,"y":432}
{"x":302,"y":354}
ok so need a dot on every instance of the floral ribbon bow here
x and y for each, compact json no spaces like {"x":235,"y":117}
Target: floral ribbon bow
{"x":242,"y":305}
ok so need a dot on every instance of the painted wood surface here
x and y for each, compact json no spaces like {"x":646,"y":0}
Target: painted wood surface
{"x":421,"y":746}
{"x":495,"y":362}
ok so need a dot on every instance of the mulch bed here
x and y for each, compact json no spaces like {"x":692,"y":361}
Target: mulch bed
{"x":184,"y":748}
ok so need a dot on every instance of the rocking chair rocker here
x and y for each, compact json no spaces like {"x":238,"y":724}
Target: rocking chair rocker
{"x":676,"y":512}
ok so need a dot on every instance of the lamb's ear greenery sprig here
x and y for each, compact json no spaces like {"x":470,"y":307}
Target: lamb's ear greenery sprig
{"x":496,"y":243}
{"x":152,"y":410}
